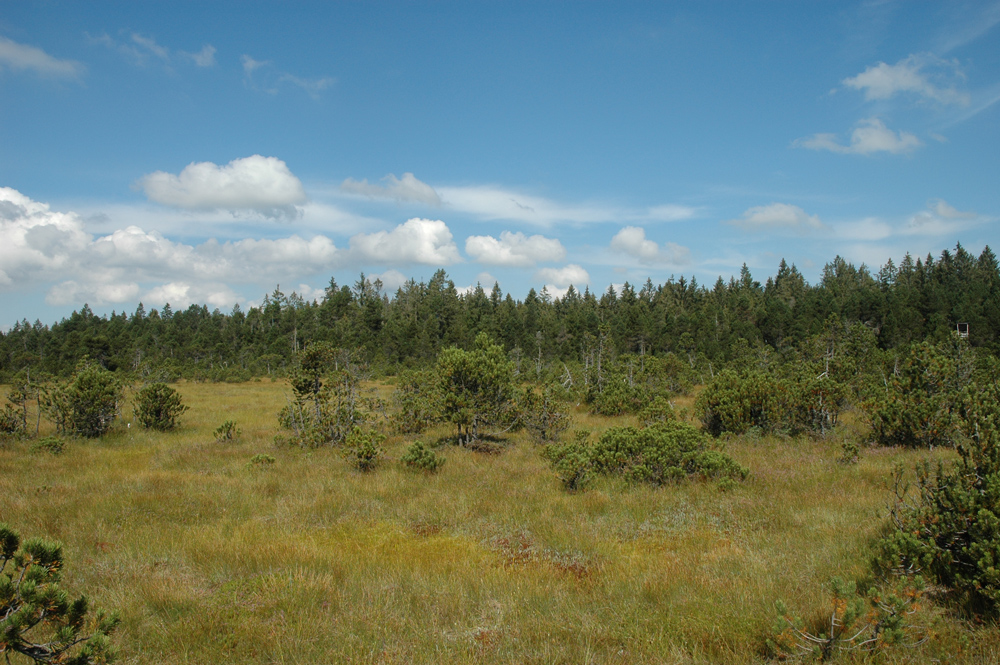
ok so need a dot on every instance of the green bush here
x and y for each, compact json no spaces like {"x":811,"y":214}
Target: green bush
{"x":734,"y":403}
{"x":421,"y":458}
{"x":572,"y":461}
{"x":158,"y":406}
{"x":227,"y":431}
{"x":328,"y":404}
{"x":261,"y":460}
{"x":364,"y":449}
{"x":49,"y":444}
{"x":949,"y":526}
{"x":86,"y":406}
{"x":37,"y":617}
{"x":657,"y":410}
{"x":418,"y":402}
{"x":661,"y":453}
{"x":543,"y":415}
{"x":916,"y":407}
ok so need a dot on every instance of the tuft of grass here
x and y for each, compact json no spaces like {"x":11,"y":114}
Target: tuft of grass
{"x":487,"y":560}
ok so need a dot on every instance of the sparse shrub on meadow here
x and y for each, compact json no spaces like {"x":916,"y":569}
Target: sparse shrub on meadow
{"x":261,"y":461}
{"x":734,"y":403}
{"x":657,"y":410}
{"x":661,"y":453}
{"x":478,"y":392}
{"x":158,"y":406}
{"x":877,"y":619}
{"x":544,"y":416}
{"x":572,"y":461}
{"x":418,"y":402}
{"x":948,"y":526}
{"x":227,"y":431}
{"x":87,"y":405}
{"x":37,"y":618}
{"x":917,"y":407}
{"x":421,"y":458}
{"x":49,"y":444}
{"x":327,"y":404}
{"x":363,"y":448}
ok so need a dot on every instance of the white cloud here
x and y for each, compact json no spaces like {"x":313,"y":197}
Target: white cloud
{"x":869,"y":136}
{"x":942,"y":209}
{"x":670,"y":213}
{"x":939,"y":219}
{"x":21,"y":57}
{"x":563,"y":277}
{"x":407,"y":188}
{"x":514,"y":249}
{"x":264,"y":185}
{"x":870,"y":228}
{"x":496,"y":203}
{"x":631,"y":241}
{"x":149,"y":44}
{"x":312,"y":86}
{"x":262,"y":76}
{"x":203,"y":58}
{"x":415,"y":241}
{"x":922,"y":74}
{"x":777,"y":215}
{"x":391,"y":280}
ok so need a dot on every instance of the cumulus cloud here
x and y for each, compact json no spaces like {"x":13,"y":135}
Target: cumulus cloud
{"x":922,"y":74}
{"x":632,"y":242}
{"x":39,"y":245}
{"x":563,"y":277}
{"x":264,"y":185}
{"x":21,"y":57}
{"x":415,"y":241}
{"x":869,"y":136}
{"x":514,"y":249}
{"x":407,"y":188}
{"x":775,"y":216}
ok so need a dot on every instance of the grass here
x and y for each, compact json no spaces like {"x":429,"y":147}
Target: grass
{"x":211,"y":558}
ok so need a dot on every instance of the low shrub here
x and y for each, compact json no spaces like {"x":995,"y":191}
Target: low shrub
{"x":158,"y":406}
{"x":661,"y":453}
{"x":421,"y":458}
{"x":49,"y":444}
{"x":573,"y":461}
{"x":227,"y":431}
{"x":37,"y":618}
{"x":364,"y":448}
{"x":949,"y":527}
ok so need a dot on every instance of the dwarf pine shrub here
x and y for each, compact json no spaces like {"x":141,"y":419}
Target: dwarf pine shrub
{"x":949,"y":526}
{"x":421,"y":458}
{"x":158,"y":406}
{"x":37,"y":618}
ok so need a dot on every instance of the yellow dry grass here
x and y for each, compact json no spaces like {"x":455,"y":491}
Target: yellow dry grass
{"x":212,"y":559}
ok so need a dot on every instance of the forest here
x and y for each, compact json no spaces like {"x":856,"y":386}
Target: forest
{"x":918,"y":300}
{"x":675,"y":473}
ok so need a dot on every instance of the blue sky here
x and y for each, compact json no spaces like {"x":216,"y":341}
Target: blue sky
{"x":206,"y":152}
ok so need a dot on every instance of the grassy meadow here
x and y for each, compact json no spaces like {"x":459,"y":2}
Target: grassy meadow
{"x":211,"y":558}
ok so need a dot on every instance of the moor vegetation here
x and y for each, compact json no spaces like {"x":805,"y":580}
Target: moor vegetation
{"x":739,"y":474}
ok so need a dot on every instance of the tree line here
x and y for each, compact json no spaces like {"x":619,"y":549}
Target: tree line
{"x":917,"y":300}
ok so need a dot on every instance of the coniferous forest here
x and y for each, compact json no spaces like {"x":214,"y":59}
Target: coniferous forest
{"x":704,"y":326}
